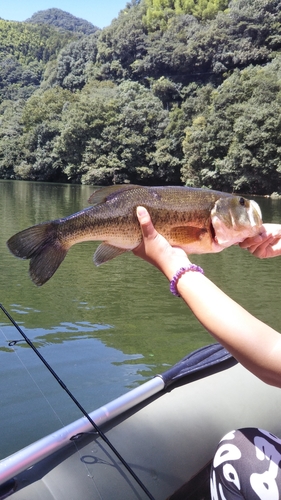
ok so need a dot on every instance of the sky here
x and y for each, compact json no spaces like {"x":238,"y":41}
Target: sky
{"x":98,"y":12}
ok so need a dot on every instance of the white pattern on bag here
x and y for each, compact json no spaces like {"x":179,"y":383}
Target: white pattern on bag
{"x":264,"y":485}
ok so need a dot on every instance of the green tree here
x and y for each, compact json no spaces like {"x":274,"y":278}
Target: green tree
{"x":120,"y":45}
{"x":82,"y":121}
{"x":74,"y":61}
{"x":62,"y":20}
{"x":123,"y":151}
{"x":40,"y":123}
{"x":10,"y":137}
{"x":46,"y":106}
{"x":236,"y":143}
{"x":158,"y":12}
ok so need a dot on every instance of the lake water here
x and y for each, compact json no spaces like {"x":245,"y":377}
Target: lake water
{"x":103,"y":330}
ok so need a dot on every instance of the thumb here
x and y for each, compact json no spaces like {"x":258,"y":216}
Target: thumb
{"x":145,"y":223}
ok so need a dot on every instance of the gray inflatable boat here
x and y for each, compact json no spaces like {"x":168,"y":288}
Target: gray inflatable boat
{"x":154,"y":442}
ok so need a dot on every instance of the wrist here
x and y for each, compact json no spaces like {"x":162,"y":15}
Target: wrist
{"x":178,"y":275}
{"x":171,"y":266}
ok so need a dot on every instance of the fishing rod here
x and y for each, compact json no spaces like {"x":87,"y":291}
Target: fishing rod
{"x":76,"y":402}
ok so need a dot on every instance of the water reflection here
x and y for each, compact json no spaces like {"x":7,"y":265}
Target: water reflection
{"x":65,"y":332}
{"x":32,"y":402}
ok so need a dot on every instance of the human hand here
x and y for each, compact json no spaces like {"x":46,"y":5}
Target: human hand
{"x":266,"y":244}
{"x":156,"y":250}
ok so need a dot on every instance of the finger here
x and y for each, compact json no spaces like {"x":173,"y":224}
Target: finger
{"x":147,"y":227}
{"x":143,"y":215}
{"x":249,"y":242}
{"x":263,"y":250}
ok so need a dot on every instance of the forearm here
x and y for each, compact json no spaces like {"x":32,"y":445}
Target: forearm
{"x":249,"y":340}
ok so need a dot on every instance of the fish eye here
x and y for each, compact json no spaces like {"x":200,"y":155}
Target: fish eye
{"x":242,"y":201}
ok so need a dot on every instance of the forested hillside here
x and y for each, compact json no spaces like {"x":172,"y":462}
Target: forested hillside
{"x":25,"y":51}
{"x":172,"y":92}
{"x":62,"y":20}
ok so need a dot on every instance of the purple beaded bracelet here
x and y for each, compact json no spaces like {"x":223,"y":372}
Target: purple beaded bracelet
{"x":178,"y":275}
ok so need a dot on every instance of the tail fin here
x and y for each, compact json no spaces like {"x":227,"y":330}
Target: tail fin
{"x":41,"y":245}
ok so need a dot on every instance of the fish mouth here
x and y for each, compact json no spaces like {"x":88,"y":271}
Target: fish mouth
{"x":213,"y":232}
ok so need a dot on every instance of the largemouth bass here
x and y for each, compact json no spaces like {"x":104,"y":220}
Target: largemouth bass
{"x":197,"y":220}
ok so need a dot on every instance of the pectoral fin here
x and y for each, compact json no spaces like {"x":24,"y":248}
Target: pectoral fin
{"x":106,"y":252}
{"x":187,"y":234}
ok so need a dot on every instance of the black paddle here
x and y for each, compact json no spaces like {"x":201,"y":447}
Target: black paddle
{"x":197,"y":361}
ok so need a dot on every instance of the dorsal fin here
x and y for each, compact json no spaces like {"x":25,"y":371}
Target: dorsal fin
{"x":106,"y":193}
